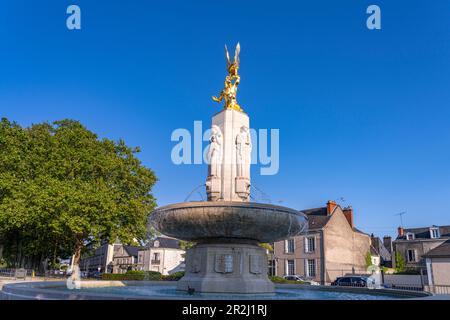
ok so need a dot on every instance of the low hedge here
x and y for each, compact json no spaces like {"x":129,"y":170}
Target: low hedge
{"x":133,"y":275}
{"x":174,"y":276}
{"x":408,"y":272}
{"x":276,"y":279}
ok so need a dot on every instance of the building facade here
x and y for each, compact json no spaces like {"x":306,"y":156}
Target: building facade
{"x":125,"y":259}
{"x":381,"y":256}
{"x":98,"y":259}
{"x":332,"y":246}
{"x":438,"y":266}
{"x":413,"y":243}
{"x":163,"y":255}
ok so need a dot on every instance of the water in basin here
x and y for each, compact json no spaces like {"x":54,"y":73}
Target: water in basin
{"x":170,"y":292}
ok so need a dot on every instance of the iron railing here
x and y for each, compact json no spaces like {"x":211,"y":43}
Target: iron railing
{"x":438,"y":289}
{"x":12,"y":273}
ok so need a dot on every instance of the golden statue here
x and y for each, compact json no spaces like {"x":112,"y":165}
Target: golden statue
{"x":231,"y":81}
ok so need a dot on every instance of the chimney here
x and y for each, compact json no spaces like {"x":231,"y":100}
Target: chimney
{"x":331,"y":205}
{"x":387,"y":242}
{"x":348,"y":213}
{"x":401,"y":232}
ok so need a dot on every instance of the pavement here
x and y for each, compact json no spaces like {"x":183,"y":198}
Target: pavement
{"x":7,"y":280}
{"x":435,"y":297}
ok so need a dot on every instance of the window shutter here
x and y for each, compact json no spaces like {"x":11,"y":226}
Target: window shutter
{"x":305,"y":239}
{"x":306,"y":268}
{"x":315,"y":268}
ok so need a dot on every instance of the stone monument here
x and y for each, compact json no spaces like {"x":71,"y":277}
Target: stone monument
{"x":228,"y":228}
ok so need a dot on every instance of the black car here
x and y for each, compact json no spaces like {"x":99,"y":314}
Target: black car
{"x":353,"y":281}
{"x":94,"y":274}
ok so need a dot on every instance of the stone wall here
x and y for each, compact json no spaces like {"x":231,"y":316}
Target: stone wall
{"x":169,"y":259}
{"x":345,"y":248}
{"x":441,"y":271}
{"x":299,"y":255}
{"x":420,"y":246}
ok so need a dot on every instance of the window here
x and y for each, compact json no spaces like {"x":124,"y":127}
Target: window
{"x":345,"y":281}
{"x":310,"y":268}
{"x":156,"y":256}
{"x":410,"y":236}
{"x":411,"y":254}
{"x":310,"y":244}
{"x":271,"y":268}
{"x":289,"y":246}
{"x":434,"y":233}
{"x":290,"y":267}
{"x":140,"y":258}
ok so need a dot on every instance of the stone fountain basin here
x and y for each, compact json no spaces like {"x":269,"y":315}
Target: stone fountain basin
{"x":197,"y":221}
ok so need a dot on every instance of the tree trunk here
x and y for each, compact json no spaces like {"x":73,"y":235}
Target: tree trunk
{"x":76,"y":275}
{"x":77,"y":253}
{"x":54,"y":255}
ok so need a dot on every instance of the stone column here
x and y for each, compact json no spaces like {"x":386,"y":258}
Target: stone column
{"x":233,"y":181}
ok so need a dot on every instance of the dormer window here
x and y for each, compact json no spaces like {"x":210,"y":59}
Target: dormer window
{"x":434,"y":233}
{"x":156,"y":244}
{"x":410,"y":236}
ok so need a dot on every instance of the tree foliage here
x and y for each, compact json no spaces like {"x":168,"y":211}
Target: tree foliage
{"x":368,"y":259}
{"x":266,"y":246}
{"x":400,"y":264}
{"x":62,"y":187}
{"x":185,"y":245}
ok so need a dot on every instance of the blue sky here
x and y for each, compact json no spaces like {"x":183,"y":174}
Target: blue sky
{"x":363,"y":115}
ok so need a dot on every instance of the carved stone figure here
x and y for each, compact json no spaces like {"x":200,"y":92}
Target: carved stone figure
{"x":215,"y":151}
{"x":243,"y":152}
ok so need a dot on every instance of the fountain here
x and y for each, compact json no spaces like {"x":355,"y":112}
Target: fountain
{"x":228,"y":227}
{"x":227,"y":261}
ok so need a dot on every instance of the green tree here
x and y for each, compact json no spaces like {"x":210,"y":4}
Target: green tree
{"x":62,"y":187}
{"x":266,"y":246}
{"x":400,"y":264}
{"x":368,"y":259}
{"x":185,"y":245}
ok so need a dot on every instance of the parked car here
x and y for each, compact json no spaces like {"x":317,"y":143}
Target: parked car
{"x":302,"y":279}
{"x":94,"y":274}
{"x":354,"y":281}
{"x":293,"y":278}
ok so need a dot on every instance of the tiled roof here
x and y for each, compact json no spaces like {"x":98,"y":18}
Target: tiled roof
{"x":440,"y":251}
{"x":317,"y":217}
{"x":424,"y":233}
{"x":165,"y":242}
{"x":377,"y":248}
{"x":132,"y":250}
{"x":374,"y":251}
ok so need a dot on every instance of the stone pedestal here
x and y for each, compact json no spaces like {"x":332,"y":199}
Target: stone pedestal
{"x":230,"y":179}
{"x":226,"y":267}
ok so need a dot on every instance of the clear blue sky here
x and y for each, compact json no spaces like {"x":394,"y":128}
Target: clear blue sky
{"x":362,"y":114}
